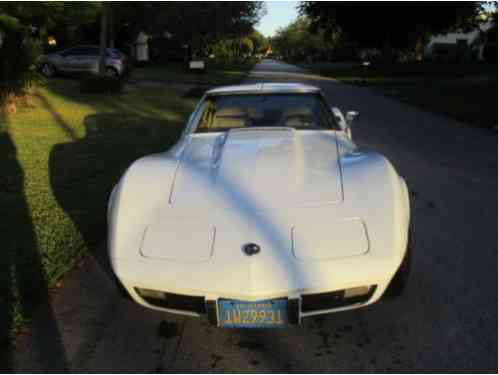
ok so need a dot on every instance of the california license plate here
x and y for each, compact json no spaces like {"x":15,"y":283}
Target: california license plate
{"x":259,"y":314}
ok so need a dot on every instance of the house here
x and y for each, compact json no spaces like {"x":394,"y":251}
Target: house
{"x":459,"y":45}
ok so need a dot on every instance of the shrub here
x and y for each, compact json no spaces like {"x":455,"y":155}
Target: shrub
{"x":20,"y":54}
{"x":97,"y":84}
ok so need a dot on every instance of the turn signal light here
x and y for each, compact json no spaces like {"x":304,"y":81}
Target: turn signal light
{"x":148,"y":293}
{"x":357,"y":292}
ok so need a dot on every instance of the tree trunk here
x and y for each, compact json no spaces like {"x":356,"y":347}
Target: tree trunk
{"x":111,"y":17}
{"x":103,"y":38}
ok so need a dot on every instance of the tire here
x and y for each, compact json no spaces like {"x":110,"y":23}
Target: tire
{"x":48,"y":70}
{"x":400,"y":280}
{"x":111,"y":73}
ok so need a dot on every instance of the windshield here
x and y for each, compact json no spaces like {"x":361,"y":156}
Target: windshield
{"x":298,"y":111}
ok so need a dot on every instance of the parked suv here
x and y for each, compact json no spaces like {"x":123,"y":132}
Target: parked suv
{"x":84,"y":59}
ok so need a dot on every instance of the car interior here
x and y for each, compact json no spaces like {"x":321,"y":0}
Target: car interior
{"x":296,"y":111}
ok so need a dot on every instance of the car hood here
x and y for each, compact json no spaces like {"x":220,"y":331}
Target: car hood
{"x":260,"y":168}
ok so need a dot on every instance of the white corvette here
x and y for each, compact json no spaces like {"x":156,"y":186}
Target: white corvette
{"x":263,"y":213}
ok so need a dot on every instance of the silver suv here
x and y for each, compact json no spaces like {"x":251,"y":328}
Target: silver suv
{"x":84,"y":59}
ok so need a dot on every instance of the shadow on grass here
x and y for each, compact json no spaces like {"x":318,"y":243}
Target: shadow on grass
{"x":29,"y":289}
{"x":81,"y":173}
{"x":84,"y":170}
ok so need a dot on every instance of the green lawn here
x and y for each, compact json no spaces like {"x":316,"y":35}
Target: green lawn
{"x":355,"y":71}
{"x":59,"y":160}
{"x":470,"y":102}
{"x":214,"y":75}
{"x":466,"y":92}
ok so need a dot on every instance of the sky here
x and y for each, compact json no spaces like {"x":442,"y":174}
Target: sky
{"x":279,"y":14}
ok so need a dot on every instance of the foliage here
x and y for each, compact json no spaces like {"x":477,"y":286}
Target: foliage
{"x":19,"y":55}
{"x":245,"y":46}
{"x":297,"y":42}
{"x":260,"y":43}
{"x":198,"y":24}
{"x":390,"y":25}
{"x":490,"y":52}
{"x":68,"y":21}
{"x":228,"y":50}
{"x":99,"y":84}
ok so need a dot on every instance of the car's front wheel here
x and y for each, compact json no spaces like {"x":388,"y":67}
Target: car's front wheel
{"x":400,"y":279}
{"x":48,"y":70}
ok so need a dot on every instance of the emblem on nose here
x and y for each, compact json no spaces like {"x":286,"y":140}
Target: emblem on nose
{"x":251,"y":249}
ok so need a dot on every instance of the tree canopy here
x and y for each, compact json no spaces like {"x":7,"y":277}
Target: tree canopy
{"x":396,"y":25}
{"x":296,"y":41}
{"x":196,"y":23}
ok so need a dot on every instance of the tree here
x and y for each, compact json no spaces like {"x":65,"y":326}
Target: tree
{"x":389,"y":25}
{"x":260,"y":43}
{"x":103,"y":37}
{"x":48,"y":18}
{"x":198,"y":24}
{"x":246,"y":46}
{"x":297,"y":42}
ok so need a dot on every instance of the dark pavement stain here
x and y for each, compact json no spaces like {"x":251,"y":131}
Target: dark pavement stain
{"x":346,"y":328}
{"x":250,"y":345}
{"x":215,"y":359}
{"x":254,"y":362}
{"x":325,"y":338}
{"x":167,"y":330}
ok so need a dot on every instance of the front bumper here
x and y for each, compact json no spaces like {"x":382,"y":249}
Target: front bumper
{"x":297,"y":308}
{"x":311,"y":288}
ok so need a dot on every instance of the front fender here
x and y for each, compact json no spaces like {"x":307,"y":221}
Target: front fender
{"x":141,"y":194}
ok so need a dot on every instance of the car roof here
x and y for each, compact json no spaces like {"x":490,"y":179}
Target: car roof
{"x":264,"y":88}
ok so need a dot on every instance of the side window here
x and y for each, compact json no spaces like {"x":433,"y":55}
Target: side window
{"x":93,"y":51}
{"x":78,"y":51}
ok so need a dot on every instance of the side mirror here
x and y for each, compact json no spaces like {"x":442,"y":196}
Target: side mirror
{"x":351,"y":116}
{"x":344,"y":123}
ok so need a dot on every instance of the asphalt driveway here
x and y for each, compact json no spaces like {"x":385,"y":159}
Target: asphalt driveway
{"x":446,"y":321}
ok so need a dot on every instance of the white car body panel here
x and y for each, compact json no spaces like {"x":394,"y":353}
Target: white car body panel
{"x":327,"y":216}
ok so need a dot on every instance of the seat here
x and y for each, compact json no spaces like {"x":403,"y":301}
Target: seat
{"x":230,"y":117}
{"x":298,"y":117}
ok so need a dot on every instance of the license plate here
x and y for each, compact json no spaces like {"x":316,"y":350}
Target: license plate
{"x":259,"y":314}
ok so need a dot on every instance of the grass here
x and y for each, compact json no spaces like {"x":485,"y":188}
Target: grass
{"x":466,"y":91}
{"x":175,"y":73}
{"x":59,"y":161}
{"x":412,"y":70}
{"x":470,"y":102}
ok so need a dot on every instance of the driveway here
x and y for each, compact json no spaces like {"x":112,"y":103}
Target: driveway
{"x":446,"y":321}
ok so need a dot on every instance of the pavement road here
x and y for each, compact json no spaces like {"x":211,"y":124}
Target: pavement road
{"x":446,"y":321}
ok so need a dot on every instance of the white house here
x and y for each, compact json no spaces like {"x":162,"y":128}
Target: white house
{"x":459,"y":41}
